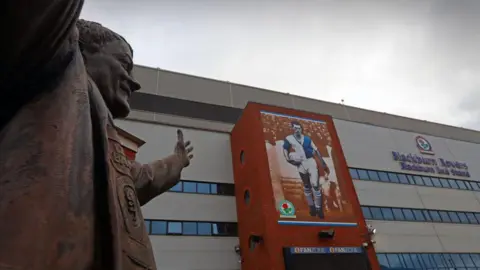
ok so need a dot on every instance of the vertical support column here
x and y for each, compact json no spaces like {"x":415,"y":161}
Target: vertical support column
{"x":309,"y":205}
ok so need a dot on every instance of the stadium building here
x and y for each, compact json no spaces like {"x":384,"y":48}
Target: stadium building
{"x":418,"y":183}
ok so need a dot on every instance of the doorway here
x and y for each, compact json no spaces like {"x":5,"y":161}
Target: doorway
{"x":344,"y":261}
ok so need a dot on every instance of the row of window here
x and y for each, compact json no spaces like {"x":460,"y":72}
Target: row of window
{"x":421,"y":215}
{"x":360,"y":174}
{"x":191,"y":228}
{"x":410,"y":179}
{"x":400,"y":261}
{"x":204,"y":188}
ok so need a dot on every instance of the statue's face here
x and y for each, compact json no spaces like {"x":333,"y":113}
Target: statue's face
{"x":111,"y":70}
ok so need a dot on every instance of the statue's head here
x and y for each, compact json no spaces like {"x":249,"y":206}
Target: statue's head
{"x":108,"y":59}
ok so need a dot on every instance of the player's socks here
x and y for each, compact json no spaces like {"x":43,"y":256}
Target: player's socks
{"x":318,"y":198}
{"x":318,"y":203}
{"x":308,"y":196}
{"x":320,"y":213}
{"x":313,"y":211}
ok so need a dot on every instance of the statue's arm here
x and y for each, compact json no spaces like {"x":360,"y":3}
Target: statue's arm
{"x":37,"y":32}
{"x":154,"y":178}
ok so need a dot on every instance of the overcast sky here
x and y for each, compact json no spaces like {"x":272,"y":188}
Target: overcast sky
{"x":413,"y":58}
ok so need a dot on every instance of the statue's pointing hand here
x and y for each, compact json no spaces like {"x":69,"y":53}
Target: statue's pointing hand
{"x":183,"y":149}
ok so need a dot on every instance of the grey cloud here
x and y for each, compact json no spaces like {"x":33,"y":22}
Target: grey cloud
{"x":413,"y":58}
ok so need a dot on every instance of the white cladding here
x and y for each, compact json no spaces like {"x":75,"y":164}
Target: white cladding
{"x":212,"y":163}
{"x":371,"y":147}
{"x":365,"y":146}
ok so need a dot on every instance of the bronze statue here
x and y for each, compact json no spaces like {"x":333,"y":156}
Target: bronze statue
{"x":69,"y":199}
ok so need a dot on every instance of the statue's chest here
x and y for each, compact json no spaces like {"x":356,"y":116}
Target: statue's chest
{"x":135,"y":241}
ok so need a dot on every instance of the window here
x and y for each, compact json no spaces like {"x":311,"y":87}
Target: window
{"x":177,"y":187}
{"x":426,"y":261}
{"x":471,"y":218}
{"x":448,"y":260}
{"x":382,"y":259}
{"x":362,"y":174}
{"x":453,"y":184}
{"x":366,"y":212}
{"x":383,"y":176}
{"x":427,"y":181}
{"x":174,"y":228}
{"x":203,"y":188}
{"x":467,"y":260}
{"x":387,"y":213}
{"x":457,"y":260}
{"x":475,"y":186}
{"x":376,"y":213}
{"x":436,"y":182}
{"x":408,"y":262}
{"x":438,"y":259}
{"x":373,"y":175}
{"x":421,"y":215}
{"x":213,"y":189}
{"x":204,"y":228}
{"x":454,"y":217}
{"x":394,"y":261}
{"x":189,"y":187}
{"x":393,"y":177}
{"x":476,"y":259}
{"x":353,"y":173}
{"x":467,"y":184}
{"x":477,"y":216}
{"x":463,"y":217}
{"x":430,"y":261}
{"x":158,"y":227}
{"x":417,"y":261}
{"x":444,"y":216}
{"x":444,"y":183}
{"x":189,"y":228}
{"x":192,"y":228}
{"x":435,"y":216}
{"x":418,"y":215}
{"x":418,"y":180}
{"x":403,"y":179}
{"x":408,"y":213}
{"x":427,"y":215}
{"x":461,"y":185}
{"x":410,"y":179}
{"x":398,"y":214}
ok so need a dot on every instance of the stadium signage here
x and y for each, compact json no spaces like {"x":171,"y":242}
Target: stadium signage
{"x":325,"y":250}
{"x":418,"y":163}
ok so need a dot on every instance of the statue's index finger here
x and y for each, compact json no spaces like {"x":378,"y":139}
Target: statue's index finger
{"x":179,"y":135}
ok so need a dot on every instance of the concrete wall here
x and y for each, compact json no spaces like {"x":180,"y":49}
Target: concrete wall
{"x":425,"y":237}
{"x":371,"y":147}
{"x":195,"y":253}
{"x":212,"y":163}
{"x":409,"y":196}
{"x":395,"y":236}
{"x":182,"y":86}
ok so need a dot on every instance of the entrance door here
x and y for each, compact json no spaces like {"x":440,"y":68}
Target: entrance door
{"x":355,"y":261}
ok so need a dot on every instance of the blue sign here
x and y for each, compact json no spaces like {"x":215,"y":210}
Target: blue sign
{"x":417,"y":163}
{"x":325,"y":250}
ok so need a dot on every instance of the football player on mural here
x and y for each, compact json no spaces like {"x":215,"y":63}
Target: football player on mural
{"x":300,"y":151}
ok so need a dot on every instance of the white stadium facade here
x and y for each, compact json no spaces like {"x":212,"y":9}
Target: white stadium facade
{"x":418,"y":182}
